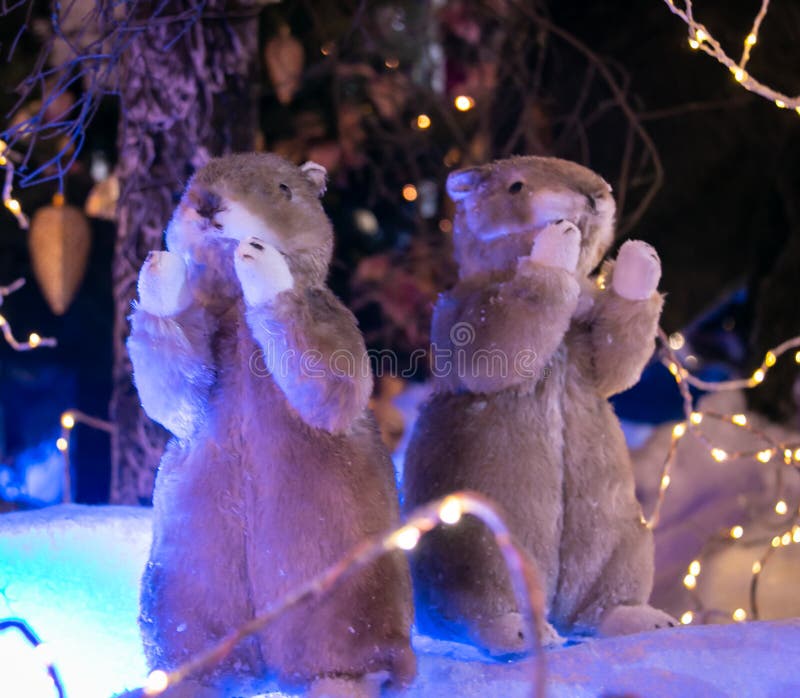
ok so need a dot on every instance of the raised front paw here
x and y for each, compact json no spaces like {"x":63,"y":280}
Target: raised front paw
{"x":162,"y":286}
{"x":558,"y":245}
{"x":262,"y":271}
{"x":637,"y":271}
{"x":627,"y":620}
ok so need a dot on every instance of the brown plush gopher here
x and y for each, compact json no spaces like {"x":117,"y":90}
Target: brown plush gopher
{"x":520,"y":413}
{"x":277,"y":468}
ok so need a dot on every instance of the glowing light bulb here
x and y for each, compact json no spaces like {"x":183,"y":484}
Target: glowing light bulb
{"x":423,"y":121}
{"x":764,"y":456}
{"x":665,"y":482}
{"x":758,"y":376}
{"x":751,"y":40}
{"x":797,"y":354}
{"x":678,"y":430}
{"x":694,"y":567}
{"x":695,"y":418}
{"x":738,"y":73}
{"x":392,"y":63}
{"x":700,"y":35}
{"x":450,"y":511}
{"x":770,"y":358}
{"x":787,"y":454}
{"x":776,"y":542}
{"x":13,"y":205}
{"x":464,"y":102}
{"x":687,"y":618}
{"x":739,"y":419}
{"x":694,"y":43}
{"x":756,"y":567}
{"x":786,"y":538}
{"x":796,"y":534}
{"x":67,"y":420}
{"x":690,"y":581}
{"x":676,"y":341}
{"x":797,"y":455}
{"x":34,"y":340}
{"x":719,"y":455}
{"x":407,"y":537}
{"x":673,"y":368}
{"x":410,"y":192}
{"x":3,"y":323}
{"x":157,"y":682}
{"x":739,"y":615}
{"x":780,"y":104}
{"x":781,"y":507}
{"x":61,"y":444}
{"x":737,"y":532}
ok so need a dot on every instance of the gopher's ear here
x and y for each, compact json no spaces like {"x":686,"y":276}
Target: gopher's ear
{"x":461,"y":182}
{"x":317,"y":174}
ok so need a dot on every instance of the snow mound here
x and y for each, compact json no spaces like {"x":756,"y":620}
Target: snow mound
{"x":72,"y":572}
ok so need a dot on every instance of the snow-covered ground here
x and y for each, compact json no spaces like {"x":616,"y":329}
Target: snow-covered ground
{"x":72,"y":572}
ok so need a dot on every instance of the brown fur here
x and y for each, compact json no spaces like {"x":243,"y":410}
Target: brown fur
{"x":546,"y":447}
{"x":274,"y":477}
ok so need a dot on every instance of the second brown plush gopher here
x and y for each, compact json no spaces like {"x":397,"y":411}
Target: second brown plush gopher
{"x":536,"y":347}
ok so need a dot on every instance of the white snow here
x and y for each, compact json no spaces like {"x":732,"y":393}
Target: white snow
{"x":72,"y":572}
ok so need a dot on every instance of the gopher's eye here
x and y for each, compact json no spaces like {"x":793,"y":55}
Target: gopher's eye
{"x":515,"y":188}
{"x":285,"y":191}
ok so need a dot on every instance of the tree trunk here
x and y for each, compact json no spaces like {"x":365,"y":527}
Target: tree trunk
{"x":186,"y":94}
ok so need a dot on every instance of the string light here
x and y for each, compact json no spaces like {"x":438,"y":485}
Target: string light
{"x":739,"y":615}
{"x":450,"y":511}
{"x":12,"y":204}
{"x":781,"y":507}
{"x":687,"y":618}
{"x":523,"y":575}
{"x":701,"y":38}
{"x":737,"y":532}
{"x":69,"y":420}
{"x":34,"y":340}
{"x":410,"y":192}
{"x":719,"y":455}
{"x":678,"y":430}
{"x":690,"y":581}
{"x":464,"y":102}
{"x":423,"y":121}
{"x":739,"y":420}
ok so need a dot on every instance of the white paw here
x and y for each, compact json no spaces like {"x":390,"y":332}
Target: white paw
{"x":558,"y":245}
{"x":162,"y":286}
{"x":637,"y":271}
{"x":626,"y":620}
{"x":262,"y":271}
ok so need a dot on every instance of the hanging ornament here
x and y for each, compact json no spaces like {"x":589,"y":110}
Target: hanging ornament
{"x":284,"y":57}
{"x":59,"y":242}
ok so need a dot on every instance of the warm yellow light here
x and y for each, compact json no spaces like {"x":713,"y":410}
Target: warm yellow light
{"x":781,"y":507}
{"x":739,"y":419}
{"x":764,"y":456}
{"x":600,"y":282}
{"x":780,"y":104}
{"x":694,"y":43}
{"x":739,"y":615}
{"x":770,"y":359}
{"x":797,"y":455}
{"x":797,"y":354}
{"x":61,"y":444}
{"x":695,"y":418}
{"x":665,"y":482}
{"x":737,"y":532}
{"x":3,"y":161}
{"x":3,"y":322}
{"x":776,"y":541}
{"x":796,"y":534}
{"x":407,"y":537}
{"x":410,"y":192}
{"x":694,"y":567}
{"x":67,"y":420}
{"x":797,"y":109}
{"x":786,"y":538}
{"x":673,"y":368}
{"x":787,"y":454}
{"x":34,"y":340}
{"x":464,"y":102}
{"x":719,"y":455}
{"x":450,"y":511}
{"x":687,"y":618}
{"x":157,"y":682}
{"x":676,"y":341}
{"x":751,"y":40}
{"x":678,"y":430}
{"x":13,"y":206}
{"x":423,"y":121}
{"x":392,"y":63}
{"x":690,"y":581}
{"x":738,"y":73}
{"x":756,"y":567}
{"x":758,"y":376}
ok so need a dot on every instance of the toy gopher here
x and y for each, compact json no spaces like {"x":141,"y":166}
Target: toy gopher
{"x":241,"y":351}
{"x":535,"y":347}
